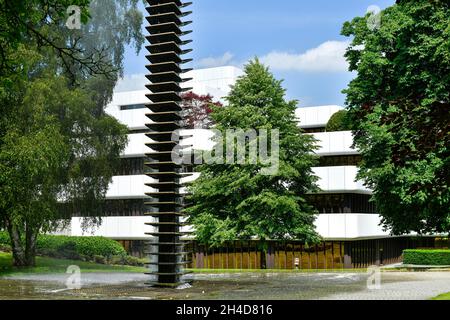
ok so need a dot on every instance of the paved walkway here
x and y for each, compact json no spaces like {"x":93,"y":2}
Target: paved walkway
{"x":402,"y":286}
{"x":244,"y":286}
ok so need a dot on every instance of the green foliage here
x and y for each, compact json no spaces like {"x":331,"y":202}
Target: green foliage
{"x":99,"y":259}
{"x":98,"y":48}
{"x":74,"y":247}
{"x":126,"y":260}
{"x":112,"y":26}
{"x":236,"y":201}
{"x":132,"y":261}
{"x":27,"y":22}
{"x":444,"y":296}
{"x":399,"y":109}
{"x":5,"y":248}
{"x":56,"y":141}
{"x":338,"y":122}
{"x":427,"y":257}
{"x":46,"y":265}
{"x":4,"y":238}
{"x":84,"y":246}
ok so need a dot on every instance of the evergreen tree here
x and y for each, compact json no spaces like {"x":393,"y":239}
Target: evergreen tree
{"x":237,"y":201}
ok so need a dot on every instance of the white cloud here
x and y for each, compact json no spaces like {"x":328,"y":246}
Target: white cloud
{"x":211,"y":62}
{"x":327,"y":57}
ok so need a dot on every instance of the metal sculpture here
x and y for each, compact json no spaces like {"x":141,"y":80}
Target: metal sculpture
{"x":166,"y":202}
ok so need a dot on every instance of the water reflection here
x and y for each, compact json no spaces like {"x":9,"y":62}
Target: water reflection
{"x":205,"y":286}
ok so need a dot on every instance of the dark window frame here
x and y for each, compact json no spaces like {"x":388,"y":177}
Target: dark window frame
{"x":133,"y":107}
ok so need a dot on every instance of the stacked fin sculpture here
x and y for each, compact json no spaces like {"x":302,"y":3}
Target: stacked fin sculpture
{"x":165,"y":203}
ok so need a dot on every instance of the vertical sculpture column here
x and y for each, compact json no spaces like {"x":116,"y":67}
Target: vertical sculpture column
{"x":165,"y":203}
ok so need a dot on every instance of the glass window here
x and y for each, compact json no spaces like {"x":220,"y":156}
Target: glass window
{"x":130,"y":167}
{"x":334,"y":161}
{"x":342,"y":203}
{"x":133,"y":107}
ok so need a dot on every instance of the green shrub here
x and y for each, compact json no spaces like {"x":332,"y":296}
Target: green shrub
{"x":99,"y":259}
{"x":4,"y":238}
{"x":338,"y":122}
{"x":116,"y":260}
{"x":5,"y":248}
{"x":426,"y":257}
{"x":74,"y":247}
{"x":134,"y":261}
{"x":127,"y":260}
{"x":67,"y":250}
{"x":96,"y":249}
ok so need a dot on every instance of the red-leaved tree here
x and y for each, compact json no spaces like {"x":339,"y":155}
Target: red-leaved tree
{"x":197,"y":110}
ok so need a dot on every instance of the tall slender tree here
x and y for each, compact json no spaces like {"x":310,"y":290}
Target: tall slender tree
{"x":237,"y":201}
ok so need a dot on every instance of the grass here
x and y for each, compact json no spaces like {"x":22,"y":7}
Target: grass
{"x":445,"y":296}
{"x":51,"y":265}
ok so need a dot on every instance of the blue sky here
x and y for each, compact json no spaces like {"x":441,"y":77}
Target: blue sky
{"x":299,"y":39}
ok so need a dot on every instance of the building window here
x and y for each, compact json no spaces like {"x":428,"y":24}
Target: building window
{"x":342,"y":203}
{"x":132,"y":107}
{"x":109,"y":208}
{"x":334,"y":161}
{"x":130,"y":167}
{"x":138,"y":131}
{"x":314,"y":130}
{"x":123,"y":208}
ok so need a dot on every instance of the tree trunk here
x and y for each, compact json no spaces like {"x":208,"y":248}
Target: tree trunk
{"x":18,"y":254}
{"x":263,"y":259}
{"x":30,"y":246}
{"x":263,"y":250}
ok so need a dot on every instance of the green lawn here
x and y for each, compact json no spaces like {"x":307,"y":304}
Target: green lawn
{"x":51,"y":265}
{"x":445,"y":296}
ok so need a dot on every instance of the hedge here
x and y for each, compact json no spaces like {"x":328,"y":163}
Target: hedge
{"x":4,"y":238}
{"x":73,"y":247}
{"x":426,"y":257}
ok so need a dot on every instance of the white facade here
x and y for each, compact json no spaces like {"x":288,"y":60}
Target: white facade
{"x":316,"y":117}
{"x":213,"y":81}
{"x":350,"y":226}
{"x":334,"y":143}
{"x":341,"y":179}
{"x":118,"y":228}
{"x":217,"y":81}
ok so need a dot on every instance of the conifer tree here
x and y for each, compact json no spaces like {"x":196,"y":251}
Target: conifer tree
{"x":232,"y":201}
